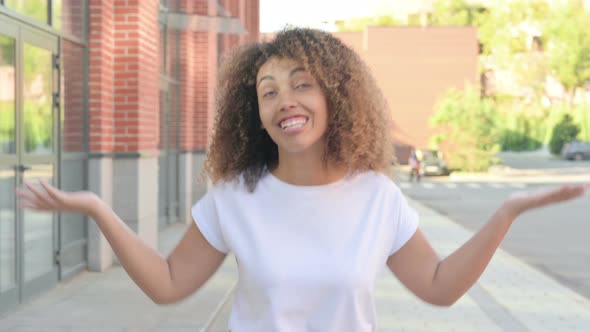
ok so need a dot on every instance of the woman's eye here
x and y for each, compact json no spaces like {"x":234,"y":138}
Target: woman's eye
{"x":301,"y":86}
{"x":268,"y":94}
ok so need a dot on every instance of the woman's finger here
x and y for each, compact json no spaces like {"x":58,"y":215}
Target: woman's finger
{"x":564,"y":193}
{"x":33,"y":206}
{"x":51,"y":191}
{"x":42,"y":199}
{"x":23,"y":194}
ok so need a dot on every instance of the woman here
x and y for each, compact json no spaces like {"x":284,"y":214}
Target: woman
{"x":298,"y":158}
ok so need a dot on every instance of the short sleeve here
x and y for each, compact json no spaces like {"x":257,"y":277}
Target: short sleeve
{"x":407,"y":224}
{"x":206,"y":218}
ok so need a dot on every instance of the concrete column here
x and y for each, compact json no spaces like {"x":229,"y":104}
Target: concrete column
{"x":100,"y":181}
{"x":185,"y":181}
{"x":135,"y":196}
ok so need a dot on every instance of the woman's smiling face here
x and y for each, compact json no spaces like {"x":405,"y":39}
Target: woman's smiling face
{"x":293,"y":108}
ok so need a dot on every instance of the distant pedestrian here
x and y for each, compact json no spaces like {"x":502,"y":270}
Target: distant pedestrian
{"x":414,"y":166}
{"x":300,"y":197}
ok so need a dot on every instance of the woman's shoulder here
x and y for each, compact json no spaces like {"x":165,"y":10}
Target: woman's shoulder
{"x":228,"y":186}
{"x":378,"y":180}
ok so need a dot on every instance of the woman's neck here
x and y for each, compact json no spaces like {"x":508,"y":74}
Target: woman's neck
{"x":302,"y":171}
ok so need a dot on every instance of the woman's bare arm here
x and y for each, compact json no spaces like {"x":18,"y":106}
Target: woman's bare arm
{"x":164,"y":280}
{"x":442,"y":282}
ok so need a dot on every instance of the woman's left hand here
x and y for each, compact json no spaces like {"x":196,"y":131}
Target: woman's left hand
{"x":520,"y":202}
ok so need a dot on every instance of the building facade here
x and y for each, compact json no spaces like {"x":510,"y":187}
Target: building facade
{"x":110,"y":96}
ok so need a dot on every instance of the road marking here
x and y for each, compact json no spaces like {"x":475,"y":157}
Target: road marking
{"x":473,"y":185}
{"x":497,"y":185}
{"x":428,"y":185}
{"x":518,"y":185}
{"x":405,"y":185}
{"x":451,"y":185}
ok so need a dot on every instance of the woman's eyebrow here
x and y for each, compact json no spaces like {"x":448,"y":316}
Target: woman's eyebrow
{"x":266,"y":77}
{"x":296,"y":70}
{"x":270,"y":77}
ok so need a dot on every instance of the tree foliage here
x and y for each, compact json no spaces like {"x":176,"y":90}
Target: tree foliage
{"x":565,"y":131}
{"x":360,"y":23}
{"x":467,"y":126}
{"x":568,"y":51}
{"x":455,"y":13}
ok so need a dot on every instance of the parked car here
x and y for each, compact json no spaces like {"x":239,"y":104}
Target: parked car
{"x":576,"y":150}
{"x":433,"y":163}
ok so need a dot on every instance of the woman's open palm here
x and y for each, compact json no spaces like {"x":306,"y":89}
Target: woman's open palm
{"x":48,"y":198}
{"x":522,"y":201}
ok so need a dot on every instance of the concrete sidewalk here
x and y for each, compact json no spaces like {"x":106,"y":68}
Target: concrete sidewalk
{"x":510,"y":296}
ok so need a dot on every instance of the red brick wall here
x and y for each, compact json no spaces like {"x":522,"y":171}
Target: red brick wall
{"x":203,"y":67}
{"x":125,"y":61}
{"x":252,"y":19}
{"x":124,"y":76}
{"x":100,"y":86}
{"x":73,"y":96}
{"x":136,"y":75}
{"x":72,"y":17}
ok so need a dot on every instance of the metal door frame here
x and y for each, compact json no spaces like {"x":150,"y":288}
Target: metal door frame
{"x":44,"y":40}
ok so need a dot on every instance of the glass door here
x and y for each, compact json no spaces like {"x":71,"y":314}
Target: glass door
{"x":9,"y":291}
{"x":38,"y":155}
{"x":28,"y":239}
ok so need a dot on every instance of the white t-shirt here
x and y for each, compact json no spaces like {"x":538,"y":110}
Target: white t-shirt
{"x":307,"y":256}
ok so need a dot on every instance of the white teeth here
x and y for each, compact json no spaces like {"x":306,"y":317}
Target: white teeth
{"x":297,"y":122}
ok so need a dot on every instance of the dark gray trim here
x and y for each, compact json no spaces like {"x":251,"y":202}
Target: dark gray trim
{"x":123,"y":155}
{"x":137,"y":155}
{"x":50,"y":12}
{"x":193,"y":151}
{"x":191,"y":22}
{"x":42,"y":26}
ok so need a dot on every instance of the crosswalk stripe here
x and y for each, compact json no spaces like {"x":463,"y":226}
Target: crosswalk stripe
{"x":451,"y":185}
{"x":518,"y":185}
{"x":473,"y":185}
{"x":428,"y":185}
{"x":497,"y":185}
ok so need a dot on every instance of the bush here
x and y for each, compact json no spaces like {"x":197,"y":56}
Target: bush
{"x":512,"y":140}
{"x":467,"y":131}
{"x":564,"y":131}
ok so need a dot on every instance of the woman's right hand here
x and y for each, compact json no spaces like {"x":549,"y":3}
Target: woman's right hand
{"x":49,"y":198}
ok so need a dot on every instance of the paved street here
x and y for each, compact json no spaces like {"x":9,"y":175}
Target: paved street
{"x":554,"y":240}
{"x":540,"y":160}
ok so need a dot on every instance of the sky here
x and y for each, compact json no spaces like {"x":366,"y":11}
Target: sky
{"x":275,"y":14}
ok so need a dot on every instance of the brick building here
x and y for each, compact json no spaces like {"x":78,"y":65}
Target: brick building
{"x":414,"y":66}
{"x":111,"y":96}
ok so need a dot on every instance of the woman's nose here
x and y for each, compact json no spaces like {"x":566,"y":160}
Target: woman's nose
{"x":287,"y":101}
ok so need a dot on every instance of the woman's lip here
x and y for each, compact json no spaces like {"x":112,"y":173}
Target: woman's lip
{"x":291,"y":117}
{"x":294,"y":130}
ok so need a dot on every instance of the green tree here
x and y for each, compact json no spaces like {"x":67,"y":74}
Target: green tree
{"x":455,"y":13}
{"x":360,"y":23}
{"x":505,"y":29}
{"x":565,"y":131}
{"x":467,"y":129}
{"x":568,"y":49}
